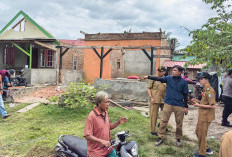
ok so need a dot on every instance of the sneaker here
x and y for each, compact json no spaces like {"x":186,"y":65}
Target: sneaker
{"x":226,"y":124}
{"x":178,"y":143}
{"x":6,"y":116}
{"x":159,"y":142}
{"x":197,"y":155}
{"x":154,"y":133}
{"x":209,"y":151}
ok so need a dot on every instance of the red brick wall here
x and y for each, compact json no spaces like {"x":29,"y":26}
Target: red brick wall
{"x":67,"y":60}
{"x":117,"y":57}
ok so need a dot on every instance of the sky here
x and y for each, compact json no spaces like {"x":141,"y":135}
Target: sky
{"x":66,"y":18}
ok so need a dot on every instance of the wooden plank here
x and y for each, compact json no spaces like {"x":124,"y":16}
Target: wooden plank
{"x":46,"y":46}
{"x":18,"y":23}
{"x":162,"y":56}
{"x":117,"y":47}
{"x":17,"y":87}
{"x":118,"y":105}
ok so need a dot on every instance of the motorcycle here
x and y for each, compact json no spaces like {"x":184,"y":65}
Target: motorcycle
{"x":72,"y":146}
{"x":19,"y":80}
{"x":16,"y":81}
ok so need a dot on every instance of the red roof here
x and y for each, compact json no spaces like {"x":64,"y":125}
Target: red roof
{"x":78,"y":42}
{"x":170,"y":64}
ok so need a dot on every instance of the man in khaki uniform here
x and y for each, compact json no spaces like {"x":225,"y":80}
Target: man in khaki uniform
{"x":156,"y":91}
{"x":226,"y":143}
{"x":206,"y":114}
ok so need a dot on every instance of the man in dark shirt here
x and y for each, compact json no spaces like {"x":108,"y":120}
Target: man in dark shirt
{"x":176,"y":100}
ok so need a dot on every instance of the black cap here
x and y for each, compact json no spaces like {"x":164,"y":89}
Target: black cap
{"x":205,"y":75}
{"x":161,"y":69}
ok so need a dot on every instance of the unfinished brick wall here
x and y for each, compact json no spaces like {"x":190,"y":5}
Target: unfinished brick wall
{"x":117,"y":63}
{"x":92,"y":62}
{"x":67,"y":60}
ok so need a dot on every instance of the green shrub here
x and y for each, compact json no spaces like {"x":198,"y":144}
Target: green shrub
{"x":78,"y":94}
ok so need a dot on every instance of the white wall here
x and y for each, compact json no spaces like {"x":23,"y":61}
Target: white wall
{"x":43,"y":76}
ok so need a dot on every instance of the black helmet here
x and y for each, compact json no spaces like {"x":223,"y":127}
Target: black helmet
{"x":11,"y":72}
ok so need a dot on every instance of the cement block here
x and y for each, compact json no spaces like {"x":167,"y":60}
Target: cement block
{"x":124,"y":89}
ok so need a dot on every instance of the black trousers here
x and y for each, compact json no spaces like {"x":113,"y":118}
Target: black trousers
{"x":227,"y":108}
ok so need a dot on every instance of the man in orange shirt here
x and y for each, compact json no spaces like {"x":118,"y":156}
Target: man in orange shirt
{"x":98,"y":126}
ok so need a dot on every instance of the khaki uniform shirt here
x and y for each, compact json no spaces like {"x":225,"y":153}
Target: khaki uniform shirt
{"x":225,"y":149}
{"x":208,"y":98}
{"x":158,"y":91}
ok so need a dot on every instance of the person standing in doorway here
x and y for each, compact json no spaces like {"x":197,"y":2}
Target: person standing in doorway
{"x":156,"y":92}
{"x":227,"y":99}
{"x":3,"y":111}
{"x":176,"y":100}
{"x":206,"y":114}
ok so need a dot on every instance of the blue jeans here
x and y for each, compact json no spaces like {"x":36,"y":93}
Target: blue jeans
{"x":2,"y":108}
{"x":5,"y":81}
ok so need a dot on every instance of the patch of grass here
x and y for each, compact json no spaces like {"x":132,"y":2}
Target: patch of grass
{"x":35,"y":133}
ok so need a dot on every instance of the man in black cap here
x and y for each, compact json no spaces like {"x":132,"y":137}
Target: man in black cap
{"x":227,"y":99}
{"x":206,"y":114}
{"x":156,"y":92}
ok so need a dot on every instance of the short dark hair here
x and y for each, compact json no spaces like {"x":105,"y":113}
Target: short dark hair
{"x":180,"y":69}
{"x":186,"y":73}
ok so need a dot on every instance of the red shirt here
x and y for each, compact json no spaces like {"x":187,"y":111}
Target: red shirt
{"x":97,"y":125}
{"x":3,"y":73}
{"x":185,"y":78}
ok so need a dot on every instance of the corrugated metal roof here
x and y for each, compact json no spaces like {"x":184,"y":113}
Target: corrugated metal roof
{"x":178,"y":58}
{"x":170,"y":64}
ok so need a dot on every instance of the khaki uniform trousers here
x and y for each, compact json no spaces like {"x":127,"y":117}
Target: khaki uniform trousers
{"x":201,"y":132}
{"x":179,"y":116}
{"x":154,"y":114}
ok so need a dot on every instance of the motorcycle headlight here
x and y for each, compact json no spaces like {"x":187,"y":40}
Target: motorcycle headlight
{"x":134,"y":150}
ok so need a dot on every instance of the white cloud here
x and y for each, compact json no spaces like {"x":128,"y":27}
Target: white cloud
{"x":65,"y":18}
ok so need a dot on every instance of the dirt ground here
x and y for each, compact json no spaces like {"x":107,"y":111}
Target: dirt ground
{"x":190,"y":121}
{"x":40,"y":95}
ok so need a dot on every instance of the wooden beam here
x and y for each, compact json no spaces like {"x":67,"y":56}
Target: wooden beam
{"x":18,"y":23}
{"x":117,"y":47}
{"x":21,"y":49}
{"x":162,"y":56}
{"x":46,"y":46}
{"x":30,"y":56}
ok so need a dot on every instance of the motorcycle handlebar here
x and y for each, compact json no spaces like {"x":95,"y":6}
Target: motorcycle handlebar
{"x":111,"y":144}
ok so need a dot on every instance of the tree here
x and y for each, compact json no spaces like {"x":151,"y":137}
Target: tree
{"x":212,"y":43}
{"x":168,"y":37}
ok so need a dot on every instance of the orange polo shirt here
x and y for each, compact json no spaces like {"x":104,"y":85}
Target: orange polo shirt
{"x":97,"y":125}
